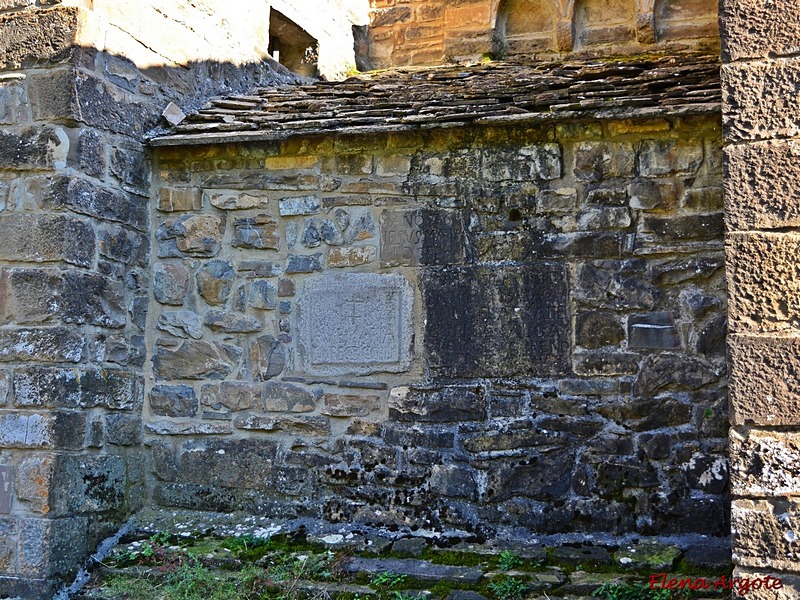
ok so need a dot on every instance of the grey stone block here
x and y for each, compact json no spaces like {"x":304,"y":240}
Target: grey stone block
{"x":170,"y":283}
{"x":46,"y":238}
{"x":215,"y":281}
{"x":302,"y":205}
{"x":355,"y":324}
{"x":173,"y":401}
{"x":195,"y":359}
{"x":54,"y":344}
{"x":297,"y":263}
{"x":88,"y":198}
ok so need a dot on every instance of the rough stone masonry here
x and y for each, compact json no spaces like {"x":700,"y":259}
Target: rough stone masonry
{"x":369,"y":302}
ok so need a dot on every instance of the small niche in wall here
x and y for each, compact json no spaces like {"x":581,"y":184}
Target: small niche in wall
{"x":291,"y":45}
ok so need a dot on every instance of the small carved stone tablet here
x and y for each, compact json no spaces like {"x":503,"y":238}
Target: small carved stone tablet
{"x":356,"y":323}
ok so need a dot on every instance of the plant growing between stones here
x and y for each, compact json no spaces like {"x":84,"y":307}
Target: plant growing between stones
{"x":509,"y":560}
{"x":637,"y":591}
{"x":508,"y":588}
{"x":388,"y":580}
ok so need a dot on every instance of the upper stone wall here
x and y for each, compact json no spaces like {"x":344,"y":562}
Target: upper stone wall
{"x":427,"y":32}
{"x":181,"y":32}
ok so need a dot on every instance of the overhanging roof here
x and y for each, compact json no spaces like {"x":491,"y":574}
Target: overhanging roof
{"x":495,"y":93}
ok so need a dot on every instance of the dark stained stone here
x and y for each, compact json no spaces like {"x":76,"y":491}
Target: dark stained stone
{"x":93,"y":299}
{"x":497,"y":321}
{"x":173,"y":401}
{"x":452,"y":404}
{"x":297,"y":263}
{"x":654,"y":330}
{"x":596,"y":329}
{"x":419,"y":569}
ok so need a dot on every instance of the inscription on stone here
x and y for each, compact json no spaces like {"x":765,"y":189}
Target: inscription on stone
{"x":422,"y":237}
{"x":497,"y":322}
{"x":5,"y":489}
{"x":356,"y":323}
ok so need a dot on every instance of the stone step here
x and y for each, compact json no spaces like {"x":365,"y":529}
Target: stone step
{"x":419,"y":569}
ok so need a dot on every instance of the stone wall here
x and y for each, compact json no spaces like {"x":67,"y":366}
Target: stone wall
{"x":466,"y":330}
{"x":75,"y":277}
{"x":761,"y":122}
{"x":424,"y":32}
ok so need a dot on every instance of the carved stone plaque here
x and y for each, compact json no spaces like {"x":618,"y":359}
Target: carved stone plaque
{"x":422,"y":237}
{"x":355,"y":323}
{"x":497,"y":321}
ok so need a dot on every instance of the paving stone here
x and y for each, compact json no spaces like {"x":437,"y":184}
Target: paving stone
{"x":418,"y":569}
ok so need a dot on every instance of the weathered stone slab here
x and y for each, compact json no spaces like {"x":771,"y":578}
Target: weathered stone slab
{"x":349,"y":405}
{"x":46,"y":238}
{"x":497,"y":321}
{"x":452,"y":404}
{"x":229,"y":463}
{"x":259,"y":233}
{"x":355,"y":323}
{"x":234,"y":200}
{"x":6,"y":478}
{"x":422,"y":237}
{"x":194,"y":359}
{"x":654,"y":330}
{"x":214,"y":281}
{"x":53,"y":387}
{"x":763,"y":533}
{"x":170,"y":283}
{"x":755,"y":29}
{"x":28,"y":38}
{"x":173,"y":401}
{"x":303,"y":205}
{"x":195,"y":235}
{"x":232,"y":396}
{"x":188,"y":428}
{"x":55,"y":344}
{"x":285,"y":397}
{"x":419,"y":569}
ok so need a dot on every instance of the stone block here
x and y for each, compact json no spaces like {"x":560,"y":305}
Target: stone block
{"x":232,"y":396}
{"x":259,"y":268}
{"x":91,"y":153}
{"x":762,"y":185}
{"x":27,"y":431}
{"x":699,"y":227}
{"x":88,"y":198}
{"x":285,"y":397}
{"x":215,"y":281}
{"x":32,"y":37}
{"x":290,"y":163}
{"x":614,"y":284}
{"x":752,"y":29}
{"x":654,"y":330}
{"x":82,"y":96}
{"x":259,"y":233}
{"x":181,"y":323}
{"x":51,"y":547}
{"x":8,"y":547}
{"x":195,"y":235}
{"x":263,"y":295}
{"x":595,"y":329}
{"x":46,"y":238}
{"x":34,"y":148}
{"x":658,"y":158}
{"x":29,"y":295}
{"x":123,"y":430}
{"x":231,"y":322}
{"x":355,"y":323}
{"x":56,"y":344}
{"x":764,"y":380}
{"x":763,"y":533}
{"x":766,"y":288}
{"x":755,"y":108}
{"x":422,"y":237}
{"x":173,"y":401}
{"x":653,"y":195}
{"x":451,"y":404}
{"x":247,"y":463}
{"x":180,"y":199}
{"x":302,"y":205}
{"x":124,"y":245}
{"x":349,"y":405}
{"x":764,"y":464}
{"x":130,"y":165}
{"x":542,"y":162}
{"x":352,"y":257}
{"x":92,"y":299}
{"x":234,"y":200}
{"x":266,"y":357}
{"x":497,"y":321}
{"x":88,"y":484}
{"x":5,"y":388}
{"x":53,"y":387}
{"x":195,"y":359}
{"x":596,"y":161}
{"x":170,"y":283}
{"x":188,"y":428}
{"x":300,"y":263}
{"x":668,"y":370}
